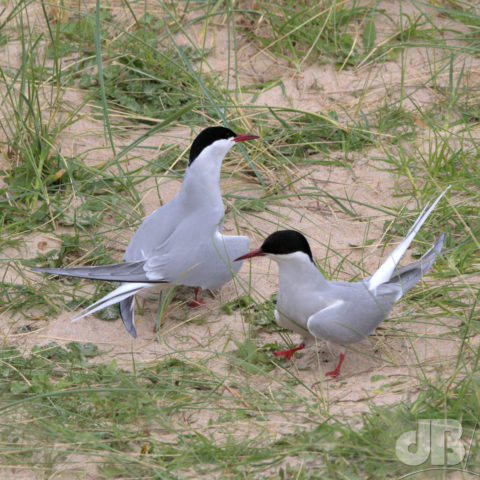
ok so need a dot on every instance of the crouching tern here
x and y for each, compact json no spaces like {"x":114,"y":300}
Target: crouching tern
{"x":181,"y":242}
{"x":336,"y":311}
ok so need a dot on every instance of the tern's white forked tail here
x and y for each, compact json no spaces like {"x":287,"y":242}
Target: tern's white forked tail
{"x":121,"y":293}
{"x":384,"y":273}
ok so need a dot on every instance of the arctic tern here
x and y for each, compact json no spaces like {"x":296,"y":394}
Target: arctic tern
{"x":336,"y":311}
{"x":181,"y":242}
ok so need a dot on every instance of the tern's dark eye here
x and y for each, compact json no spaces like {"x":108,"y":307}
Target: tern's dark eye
{"x":286,"y":241}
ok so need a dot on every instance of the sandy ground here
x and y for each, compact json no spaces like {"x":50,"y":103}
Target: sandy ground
{"x":206,"y":330}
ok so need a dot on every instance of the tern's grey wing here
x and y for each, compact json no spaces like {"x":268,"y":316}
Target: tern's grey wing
{"x":355,"y":310}
{"x":117,"y":272}
{"x":202,"y":260}
{"x":352,"y":314}
{"x":154,"y":230}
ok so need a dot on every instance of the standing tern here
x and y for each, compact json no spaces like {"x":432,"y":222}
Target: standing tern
{"x":335,"y":311}
{"x":181,"y":242}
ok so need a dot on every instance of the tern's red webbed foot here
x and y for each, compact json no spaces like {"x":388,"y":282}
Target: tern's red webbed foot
{"x":335,"y":373}
{"x":196,"y":302}
{"x":288,"y":354}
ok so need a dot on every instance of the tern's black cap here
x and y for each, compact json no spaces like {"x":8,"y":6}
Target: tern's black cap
{"x":207,"y":137}
{"x":286,"y":241}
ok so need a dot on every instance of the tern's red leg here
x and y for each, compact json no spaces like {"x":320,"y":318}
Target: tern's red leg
{"x":196,"y":302}
{"x":336,"y":372}
{"x":288,"y":354}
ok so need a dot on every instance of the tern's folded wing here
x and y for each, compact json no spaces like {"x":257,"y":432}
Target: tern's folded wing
{"x":351,"y":318}
{"x":118,"y":272}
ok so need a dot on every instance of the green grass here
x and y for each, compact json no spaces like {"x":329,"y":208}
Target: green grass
{"x":318,"y":31}
{"x":98,"y":104}
{"x":136,"y":424}
{"x":344,"y":33}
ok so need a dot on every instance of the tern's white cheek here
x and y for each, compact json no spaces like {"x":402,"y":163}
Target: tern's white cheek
{"x":220,"y":147}
{"x":291,"y":258}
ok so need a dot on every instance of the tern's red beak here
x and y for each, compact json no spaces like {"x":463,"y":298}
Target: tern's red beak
{"x":254,"y":253}
{"x":244,"y":137}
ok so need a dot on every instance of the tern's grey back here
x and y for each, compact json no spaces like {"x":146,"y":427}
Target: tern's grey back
{"x":154,"y":230}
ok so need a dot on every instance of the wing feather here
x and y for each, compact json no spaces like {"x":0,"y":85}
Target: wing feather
{"x":384,"y":273}
{"x":124,"y":272}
